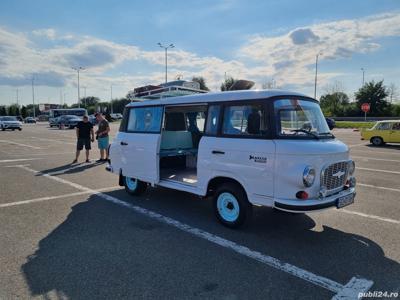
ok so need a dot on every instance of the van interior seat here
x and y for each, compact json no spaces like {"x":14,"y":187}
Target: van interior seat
{"x":171,"y":140}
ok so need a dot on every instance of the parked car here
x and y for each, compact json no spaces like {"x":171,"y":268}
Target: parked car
{"x":69,"y":121}
{"x":30,"y":120}
{"x":382,"y":132}
{"x":53,"y":122}
{"x":241,"y":148}
{"x":92,"y":119}
{"x":10,"y":122}
{"x":116,"y":116}
{"x":331,"y":123}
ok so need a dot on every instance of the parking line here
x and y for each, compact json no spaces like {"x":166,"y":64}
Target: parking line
{"x":378,"y":170}
{"x":52,"y":140}
{"x":348,"y":291}
{"x":378,"y":187}
{"x":19,"y":144}
{"x":55,"y":197}
{"x":378,"y":159}
{"x":372,"y":152}
{"x":19,"y":159}
{"x":357,"y":145}
{"x":352,"y":212}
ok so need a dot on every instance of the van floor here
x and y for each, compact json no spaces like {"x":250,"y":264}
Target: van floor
{"x":185,"y":176}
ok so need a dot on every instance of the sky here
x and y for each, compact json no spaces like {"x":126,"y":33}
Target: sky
{"x":263,"y":41}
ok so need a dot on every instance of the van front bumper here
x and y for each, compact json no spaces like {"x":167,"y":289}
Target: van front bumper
{"x":338,"y":200}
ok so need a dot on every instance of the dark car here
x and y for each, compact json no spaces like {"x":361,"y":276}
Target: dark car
{"x":30,"y":120}
{"x":69,"y":121}
{"x":331,"y":123}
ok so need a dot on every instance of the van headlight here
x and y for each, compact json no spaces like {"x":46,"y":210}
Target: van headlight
{"x":352,"y":167}
{"x":308,"y":176}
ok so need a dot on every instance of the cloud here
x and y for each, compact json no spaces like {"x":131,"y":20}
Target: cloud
{"x":303,"y":36}
{"x":48,"y":33}
{"x":52,"y":79}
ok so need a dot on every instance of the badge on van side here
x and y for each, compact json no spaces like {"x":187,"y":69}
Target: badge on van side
{"x":258,"y":159}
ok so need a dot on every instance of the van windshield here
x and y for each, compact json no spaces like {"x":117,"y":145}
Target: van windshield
{"x":300,"y":118}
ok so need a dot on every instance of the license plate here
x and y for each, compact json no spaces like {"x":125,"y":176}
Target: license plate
{"x":345,"y":200}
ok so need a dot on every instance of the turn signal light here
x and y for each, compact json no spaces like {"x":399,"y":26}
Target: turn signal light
{"x":302,"y":195}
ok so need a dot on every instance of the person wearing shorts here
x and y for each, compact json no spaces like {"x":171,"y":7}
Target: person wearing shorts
{"x":84,"y":135}
{"x":102,"y":137}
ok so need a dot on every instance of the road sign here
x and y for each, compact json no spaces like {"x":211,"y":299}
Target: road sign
{"x":365,"y":107}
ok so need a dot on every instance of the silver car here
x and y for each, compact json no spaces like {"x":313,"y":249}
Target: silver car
{"x":10,"y":122}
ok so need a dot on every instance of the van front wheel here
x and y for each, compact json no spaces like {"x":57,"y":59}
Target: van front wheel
{"x":231,"y":205}
{"x":134,"y":186}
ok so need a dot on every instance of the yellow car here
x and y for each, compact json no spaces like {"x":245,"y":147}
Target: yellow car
{"x":382,"y":132}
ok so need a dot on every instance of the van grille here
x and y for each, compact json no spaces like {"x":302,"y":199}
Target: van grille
{"x":333,"y":177}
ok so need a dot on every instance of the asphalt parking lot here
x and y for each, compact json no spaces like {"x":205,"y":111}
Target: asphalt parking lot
{"x":73,"y":233}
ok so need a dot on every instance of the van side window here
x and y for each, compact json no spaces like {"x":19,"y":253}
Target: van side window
{"x":213,"y":119}
{"x":124,"y":121}
{"x":145,"y":119}
{"x":245,"y":120}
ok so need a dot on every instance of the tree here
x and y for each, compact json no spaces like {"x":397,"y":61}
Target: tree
{"x":90,"y":101}
{"x":202,"y":82}
{"x":118,"y":105}
{"x":3,"y":111}
{"x":227,"y":84}
{"x":333,"y":104}
{"x":375,"y":94}
{"x":24,"y":112}
{"x":392,"y":92}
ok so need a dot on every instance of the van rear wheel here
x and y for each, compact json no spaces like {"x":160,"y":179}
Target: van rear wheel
{"x":377,"y":141}
{"x":134,"y":186}
{"x":231,"y":205}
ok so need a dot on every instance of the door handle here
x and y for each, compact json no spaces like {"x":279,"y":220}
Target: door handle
{"x":124,"y":144}
{"x":217,"y":152}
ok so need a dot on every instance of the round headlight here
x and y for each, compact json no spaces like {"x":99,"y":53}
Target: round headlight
{"x":308,"y":176}
{"x":352,"y":167}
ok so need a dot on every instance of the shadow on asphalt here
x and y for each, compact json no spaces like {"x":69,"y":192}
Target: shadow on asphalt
{"x":385,"y":146}
{"x":105,"y":251}
{"x":79,"y":167}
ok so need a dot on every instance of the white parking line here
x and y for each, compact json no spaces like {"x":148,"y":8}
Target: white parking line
{"x":357,"y":145}
{"x":19,"y":144}
{"x":378,"y":187}
{"x":52,"y":140}
{"x":19,"y":159}
{"x":55,"y":197}
{"x":378,"y":170}
{"x":372,"y":152}
{"x":349,"y":291}
{"x":352,"y":212}
{"x":377,"y":159}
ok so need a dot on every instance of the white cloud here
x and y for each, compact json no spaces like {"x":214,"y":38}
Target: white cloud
{"x":48,"y":33}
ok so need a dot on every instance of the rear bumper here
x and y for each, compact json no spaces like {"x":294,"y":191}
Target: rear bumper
{"x":301,"y":206}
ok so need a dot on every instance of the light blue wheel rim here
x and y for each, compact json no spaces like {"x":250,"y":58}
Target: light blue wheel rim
{"x":131,"y":183}
{"x":228,"y":207}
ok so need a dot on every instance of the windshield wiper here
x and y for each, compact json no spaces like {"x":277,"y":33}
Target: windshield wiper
{"x":327,"y":133}
{"x":307,"y":132}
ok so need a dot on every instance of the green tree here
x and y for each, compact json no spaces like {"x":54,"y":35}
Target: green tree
{"x":90,"y":101}
{"x":24,"y":112}
{"x":3,"y":111}
{"x":227,"y":84}
{"x":333,"y":104}
{"x":375,"y":94}
{"x":202,"y":82}
{"x":118,"y":105}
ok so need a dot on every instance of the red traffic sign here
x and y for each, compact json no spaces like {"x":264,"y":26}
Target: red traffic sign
{"x":365,"y":107}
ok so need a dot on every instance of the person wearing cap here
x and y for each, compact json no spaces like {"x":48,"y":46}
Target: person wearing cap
{"x":84,"y":135}
{"x":102,"y":136}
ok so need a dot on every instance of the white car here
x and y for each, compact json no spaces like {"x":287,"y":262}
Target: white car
{"x":116,"y":116}
{"x":10,"y":122}
{"x":242,"y":148}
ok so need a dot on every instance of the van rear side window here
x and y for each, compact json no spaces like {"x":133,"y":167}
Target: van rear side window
{"x":145,"y":119}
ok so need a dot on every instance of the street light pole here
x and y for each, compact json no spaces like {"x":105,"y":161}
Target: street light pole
{"x":363,"y":70}
{"x":170,"y":46}
{"x":111,"y":101}
{"x":78,"y":69}
{"x":33,"y":96}
{"x":316,"y":73}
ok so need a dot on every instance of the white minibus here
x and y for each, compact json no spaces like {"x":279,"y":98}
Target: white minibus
{"x":241,"y":148}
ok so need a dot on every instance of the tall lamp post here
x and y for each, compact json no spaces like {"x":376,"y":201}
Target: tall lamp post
{"x":316,"y":73}
{"x":363,"y":71}
{"x":111,"y":98}
{"x":78,"y":69}
{"x":166,"y":60}
{"x":33,"y":95}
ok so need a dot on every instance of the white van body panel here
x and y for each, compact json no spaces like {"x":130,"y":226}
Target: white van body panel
{"x":139,"y":158}
{"x":248,"y":161}
{"x":292,"y":156}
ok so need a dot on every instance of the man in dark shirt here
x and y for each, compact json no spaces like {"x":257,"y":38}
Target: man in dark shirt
{"x":85,"y":135}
